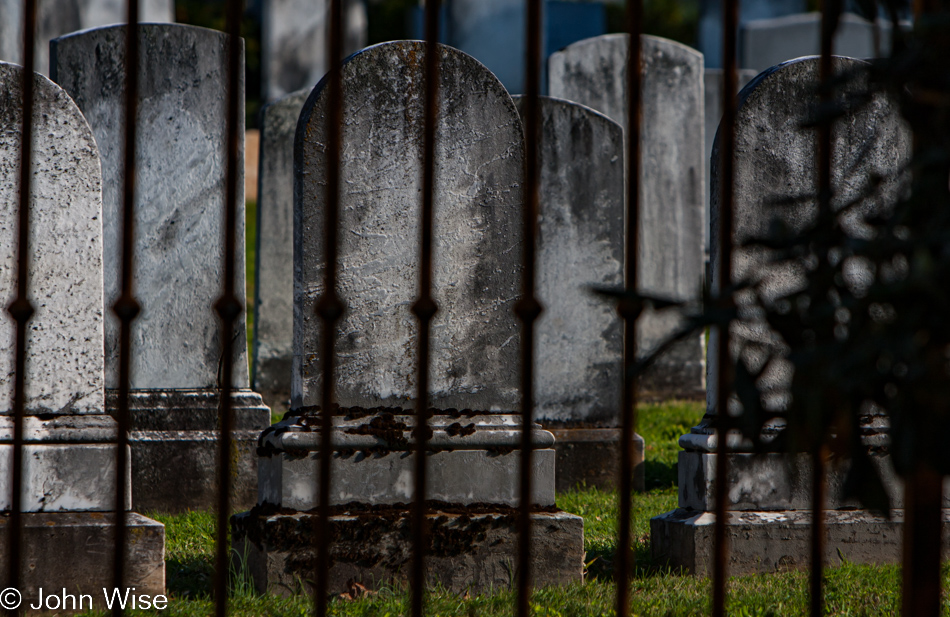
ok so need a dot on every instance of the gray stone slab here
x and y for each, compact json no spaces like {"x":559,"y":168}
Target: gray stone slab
{"x":64,"y":344}
{"x":589,"y":457}
{"x":274,"y":290}
{"x":294,"y":37}
{"x":779,"y":541}
{"x":711,"y":20}
{"x":712,"y":93}
{"x":180,"y":195}
{"x":767,"y":42}
{"x":479,"y":181}
{"x":579,"y":353}
{"x":58,"y":17}
{"x":469,"y":551}
{"x":593,"y":72}
{"x":73,"y":550}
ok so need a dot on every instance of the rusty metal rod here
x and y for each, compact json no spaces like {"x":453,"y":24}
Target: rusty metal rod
{"x":330,"y":307}
{"x":724,"y":358}
{"x":126,"y":308}
{"x":21,"y":309}
{"x":528,"y":309}
{"x":627,"y":310}
{"x":228,"y":306}
{"x":425,"y":306}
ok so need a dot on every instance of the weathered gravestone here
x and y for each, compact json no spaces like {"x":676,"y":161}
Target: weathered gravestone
{"x":769,"y":499}
{"x":294,"y":35}
{"x":69,"y":451}
{"x":274,"y":292}
{"x":767,"y":42}
{"x":580,"y":336}
{"x":709,"y":34}
{"x":473,"y":459}
{"x":712,"y":91}
{"x":58,"y":17}
{"x":180,"y":195}
{"x":593,"y":72}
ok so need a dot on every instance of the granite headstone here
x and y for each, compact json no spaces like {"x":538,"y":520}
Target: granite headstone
{"x":179,"y":264}
{"x":593,"y":72}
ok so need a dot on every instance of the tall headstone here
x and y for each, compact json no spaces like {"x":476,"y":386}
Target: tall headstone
{"x":709,"y":35}
{"x":69,"y":451}
{"x":579,"y":353}
{"x":767,"y":42}
{"x":477,"y":239}
{"x":769,"y":499}
{"x":712,"y":91}
{"x":272,"y":348}
{"x":58,"y":17}
{"x":593,"y":72}
{"x":294,"y":35}
{"x":179,"y":256}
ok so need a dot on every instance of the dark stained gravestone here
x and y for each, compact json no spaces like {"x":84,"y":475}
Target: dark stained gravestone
{"x":770,"y":499}
{"x":477,"y":238}
{"x":69,"y":477}
{"x":179,"y":263}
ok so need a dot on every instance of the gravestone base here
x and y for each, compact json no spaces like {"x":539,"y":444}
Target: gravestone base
{"x":174,"y":441}
{"x":589,"y":457}
{"x":73,"y":550}
{"x":779,"y":540}
{"x":470,"y":548}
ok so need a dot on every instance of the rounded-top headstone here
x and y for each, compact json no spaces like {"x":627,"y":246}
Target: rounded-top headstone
{"x":776,"y":158}
{"x":64,"y":355}
{"x":179,"y":194}
{"x":477,"y":233}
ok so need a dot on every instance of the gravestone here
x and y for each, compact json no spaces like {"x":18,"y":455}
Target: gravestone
{"x":477,"y":237}
{"x":180,"y":198}
{"x":710,"y":32}
{"x":58,"y":17}
{"x":69,"y":446}
{"x":712,"y":89}
{"x":274,"y":292}
{"x":593,"y":72}
{"x":769,"y":499}
{"x":767,"y":42}
{"x":294,"y":36}
{"x":579,"y":356}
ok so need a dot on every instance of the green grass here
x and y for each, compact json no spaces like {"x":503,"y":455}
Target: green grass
{"x":850,"y":590}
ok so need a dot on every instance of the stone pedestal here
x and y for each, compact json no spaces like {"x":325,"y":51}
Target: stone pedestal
{"x":174,"y":440}
{"x":590,"y":456}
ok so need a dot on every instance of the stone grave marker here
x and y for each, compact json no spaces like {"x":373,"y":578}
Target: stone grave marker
{"x":579,"y":357}
{"x":709,"y":34}
{"x":473,"y":456}
{"x":180,"y":195}
{"x":767,"y":42}
{"x":593,"y":72}
{"x":274,"y":293}
{"x":294,"y":36}
{"x":776,"y":158}
{"x":69,"y":451}
{"x":58,"y":17}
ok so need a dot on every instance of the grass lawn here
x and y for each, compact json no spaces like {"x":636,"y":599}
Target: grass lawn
{"x":850,"y":589}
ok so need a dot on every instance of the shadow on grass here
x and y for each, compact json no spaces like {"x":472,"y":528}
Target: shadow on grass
{"x":600,"y":563}
{"x":658,"y":474}
{"x":190,"y":577}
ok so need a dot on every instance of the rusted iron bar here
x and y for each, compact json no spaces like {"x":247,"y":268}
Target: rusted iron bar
{"x":330,"y":307}
{"x":228,"y":306}
{"x":727,"y":147}
{"x":425,"y":306}
{"x":528,"y":308}
{"x":922,"y":542}
{"x":126,"y":308}
{"x":21,"y":309}
{"x":628,"y":311}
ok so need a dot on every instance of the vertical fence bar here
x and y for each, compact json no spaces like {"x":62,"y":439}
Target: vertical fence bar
{"x":628,"y":310}
{"x":228,"y":307}
{"x":21,"y":309}
{"x":425,"y":306}
{"x":330,"y":307}
{"x":528,"y":309}
{"x":727,"y":146}
{"x":126,"y":308}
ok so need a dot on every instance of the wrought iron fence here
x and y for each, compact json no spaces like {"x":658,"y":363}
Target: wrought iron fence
{"x":922,"y":554}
